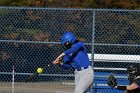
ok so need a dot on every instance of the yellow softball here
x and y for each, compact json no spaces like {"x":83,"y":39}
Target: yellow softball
{"x":39,"y":70}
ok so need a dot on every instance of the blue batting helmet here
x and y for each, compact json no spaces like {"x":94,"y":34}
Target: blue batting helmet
{"x":68,"y":37}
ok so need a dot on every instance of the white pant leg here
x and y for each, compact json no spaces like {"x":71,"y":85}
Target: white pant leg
{"x":83,"y":80}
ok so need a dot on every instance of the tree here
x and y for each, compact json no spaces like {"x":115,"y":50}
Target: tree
{"x":124,"y":4}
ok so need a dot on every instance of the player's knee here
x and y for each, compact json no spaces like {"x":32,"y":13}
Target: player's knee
{"x":79,"y":91}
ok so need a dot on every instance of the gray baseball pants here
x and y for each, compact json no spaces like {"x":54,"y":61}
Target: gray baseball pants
{"x":83,"y":79}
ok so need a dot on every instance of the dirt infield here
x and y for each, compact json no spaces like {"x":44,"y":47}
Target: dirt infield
{"x":37,"y":87}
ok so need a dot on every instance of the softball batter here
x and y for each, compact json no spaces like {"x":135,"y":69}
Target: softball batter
{"x":76,"y":57}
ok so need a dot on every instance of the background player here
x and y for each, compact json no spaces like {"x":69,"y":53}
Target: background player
{"x":133,"y":77}
{"x":76,"y":57}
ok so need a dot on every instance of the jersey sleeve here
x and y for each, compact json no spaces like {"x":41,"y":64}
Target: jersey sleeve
{"x":66,"y":64}
{"x":74,"y":48}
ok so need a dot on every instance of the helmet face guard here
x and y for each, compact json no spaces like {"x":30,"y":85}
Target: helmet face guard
{"x":131,"y":76}
{"x":67,"y":45}
{"x":132,"y":72}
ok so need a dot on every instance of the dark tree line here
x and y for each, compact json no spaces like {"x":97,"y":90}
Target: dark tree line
{"x":119,"y":4}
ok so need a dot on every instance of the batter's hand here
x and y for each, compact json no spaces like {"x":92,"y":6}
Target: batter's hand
{"x":56,"y":61}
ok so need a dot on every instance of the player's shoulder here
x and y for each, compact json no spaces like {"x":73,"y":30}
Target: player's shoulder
{"x":80,"y":43}
{"x":137,"y":80}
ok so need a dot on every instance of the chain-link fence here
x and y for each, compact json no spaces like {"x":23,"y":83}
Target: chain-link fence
{"x":30,"y":38}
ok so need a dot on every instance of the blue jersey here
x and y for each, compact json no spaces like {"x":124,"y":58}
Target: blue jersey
{"x":76,"y":57}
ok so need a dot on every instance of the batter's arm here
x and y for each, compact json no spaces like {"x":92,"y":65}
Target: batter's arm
{"x":74,"y":48}
{"x":65,"y":66}
{"x":57,"y":61}
{"x":60,"y":56}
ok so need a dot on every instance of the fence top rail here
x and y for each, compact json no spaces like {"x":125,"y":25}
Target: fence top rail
{"x":83,"y":9}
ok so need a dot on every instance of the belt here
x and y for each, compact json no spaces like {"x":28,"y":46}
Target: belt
{"x":82,"y":68}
